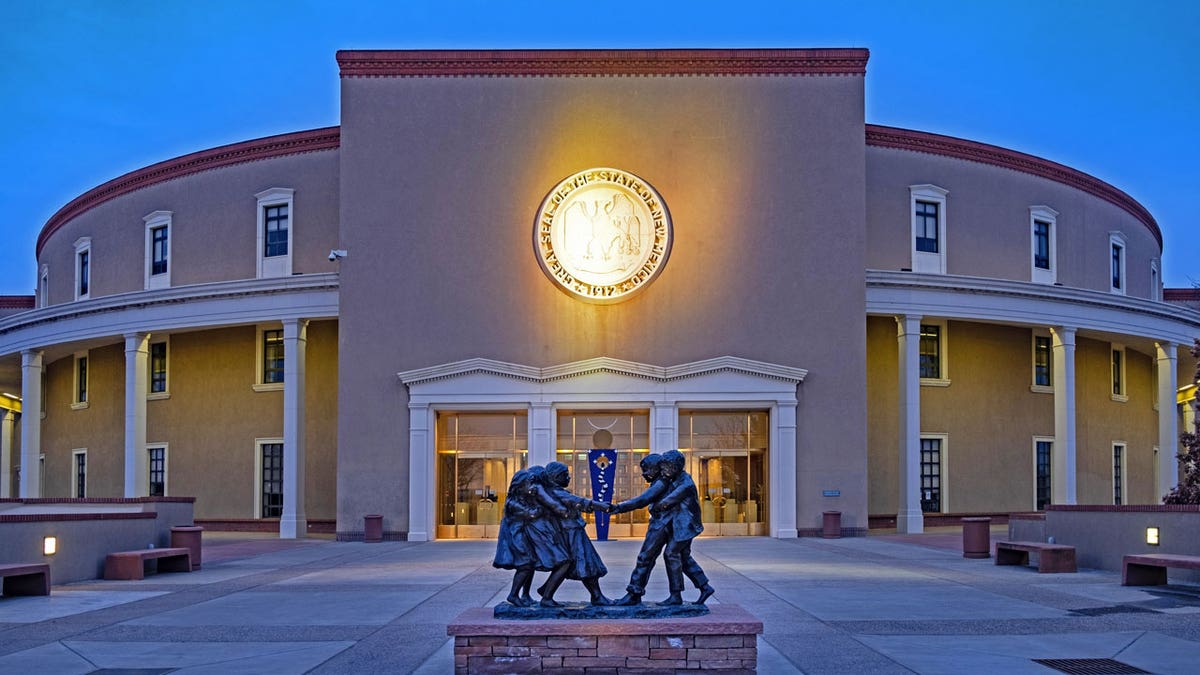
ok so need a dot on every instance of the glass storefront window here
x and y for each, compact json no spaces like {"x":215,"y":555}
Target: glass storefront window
{"x":727,"y":457}
{"x":627,"y":432}
{"x":477,"y":455}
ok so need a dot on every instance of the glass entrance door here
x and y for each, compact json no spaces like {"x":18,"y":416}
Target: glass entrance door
{"x":628,"y":432}
{"x":727,"y":457}
{"x":477,"y":455}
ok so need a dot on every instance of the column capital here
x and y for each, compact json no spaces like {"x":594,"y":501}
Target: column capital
{"x":31,"y":358}
{"x":295,"y":329}
{"x":908,"y":324}
{"x":1167,"y":350}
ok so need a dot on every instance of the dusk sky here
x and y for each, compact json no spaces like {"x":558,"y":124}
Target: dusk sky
{"x":92,"y":90}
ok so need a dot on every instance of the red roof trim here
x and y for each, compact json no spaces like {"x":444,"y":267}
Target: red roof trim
{"x":585,"y":62}
{"x":1181,"y":294}
{"x":972,"y":151}
{"x":16,"y":302}
{"x":297,"y":142}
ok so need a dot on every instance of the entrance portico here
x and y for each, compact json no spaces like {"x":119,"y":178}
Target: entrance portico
{"x":596,"y":384}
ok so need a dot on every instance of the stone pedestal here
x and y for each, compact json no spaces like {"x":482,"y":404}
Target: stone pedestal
{"x":726,"y":639}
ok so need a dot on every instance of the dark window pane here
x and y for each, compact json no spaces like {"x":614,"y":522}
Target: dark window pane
{"x":272,"y":480}
{"x":1116,"y":266}
{"x":158,"y":472}
{"x":931,"y":475}
{"x":927,"y":227}
{"x":1043,"y":474}
{"x":158,"y":250}
{"x":81,"y":475}
{"x":1041,"y":244}
{"x":272,"y":350}
{"x":84,"y":272}
{"x":158,"y":367}
{"x":1118,"y":387}
{"x":275,"y":234}
{"x":1042,"y":361}
{"x":81,"y":380}
{"x":931,"y":366}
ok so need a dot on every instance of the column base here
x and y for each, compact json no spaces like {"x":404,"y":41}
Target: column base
{"x":786,"y":533}
{"x":417,"y":536}
{"x":910,"y":522}
{"x":293,"y":528}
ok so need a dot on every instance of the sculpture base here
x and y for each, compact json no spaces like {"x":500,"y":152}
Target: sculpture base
{"x":582,"y":610}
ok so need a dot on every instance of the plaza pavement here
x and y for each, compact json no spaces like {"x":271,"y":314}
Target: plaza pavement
{"x":877,"y":604}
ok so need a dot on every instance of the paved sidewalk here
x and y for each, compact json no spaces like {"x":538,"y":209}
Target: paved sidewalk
{"x":878,"y":604}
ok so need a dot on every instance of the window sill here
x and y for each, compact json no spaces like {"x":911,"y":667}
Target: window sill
{"x":1041,"y":389}
{"x":1120,"y":398}
{"x":79,"y":406}
{"x":273,"y":386}
{"x":158,"y":396}
{"x":935,"y":382}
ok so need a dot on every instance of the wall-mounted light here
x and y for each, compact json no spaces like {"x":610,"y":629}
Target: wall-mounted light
{"x":1152,"y":536}
{"x":336,"y":254}
{"x":49,"y":545}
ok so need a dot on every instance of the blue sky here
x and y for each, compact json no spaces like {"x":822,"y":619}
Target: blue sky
{"x":91,"y":90}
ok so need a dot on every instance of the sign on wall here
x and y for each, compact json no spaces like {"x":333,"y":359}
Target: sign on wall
{"x":602,"y":235}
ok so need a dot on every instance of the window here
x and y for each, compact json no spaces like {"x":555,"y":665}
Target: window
{"x":1042,"y":448}
{"x":44,"y":289}
{"x":272,"y":346}
{"x":79,"y":466}
{"x":157,"y":464}
{"x":932,"y":350}
{"x":1118,"y":373}
{"x":1155,"y":283}
{"x":1043,"y":363}
{"x":270,"y":463}
{"x":1043,"y":223}
{"x":275,"y":232}
{"x":928,"y":209}
{"x":1116,"y":243}
{"x":1118,"y":473}
{"x":158,"y":369}
{"x":81,"y":381}
{"x":83,"y":268}
{"x":931,"y":475}
{"x":158,"y":249}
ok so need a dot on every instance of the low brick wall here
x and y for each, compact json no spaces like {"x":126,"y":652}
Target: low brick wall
{"x":725,"y":639}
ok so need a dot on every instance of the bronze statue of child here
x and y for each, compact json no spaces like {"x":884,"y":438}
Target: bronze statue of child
{"x":522,"y":544}
{"x":585,"y":564}
{"x":681,"y":504}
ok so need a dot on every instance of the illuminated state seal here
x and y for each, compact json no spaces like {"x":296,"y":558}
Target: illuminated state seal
{"x":602,"y":235}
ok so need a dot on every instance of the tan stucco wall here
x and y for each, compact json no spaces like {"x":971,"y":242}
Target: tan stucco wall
{"x":990,"y":417}
{"x":442,"y":178}
{"x":213,"y":227}
{"x":987,"y":222}
{"x":209,"y":422}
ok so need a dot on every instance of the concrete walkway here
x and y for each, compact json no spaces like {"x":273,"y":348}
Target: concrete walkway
{"x":879,"y":604}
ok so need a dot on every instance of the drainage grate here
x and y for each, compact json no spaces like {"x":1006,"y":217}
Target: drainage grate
{"x":1114,"y":609}
{"x":1090,"y":666}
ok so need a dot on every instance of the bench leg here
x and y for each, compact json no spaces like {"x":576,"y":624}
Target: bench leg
{"x":1133,"y":574}
{"x":1056,"y":561}
{"x":124,"y":569}
{"x":37,"y":583}
{"x":178,"y":563}
{"x":1008,"y":556}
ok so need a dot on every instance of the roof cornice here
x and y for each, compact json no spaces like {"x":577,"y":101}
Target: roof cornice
{"x":326,"y":138}
{"x":16,"y":302}
{"x":973,"y":151}
{"x":602,"y":364}
{"x":594,"y":62}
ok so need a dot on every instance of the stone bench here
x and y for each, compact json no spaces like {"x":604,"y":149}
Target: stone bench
{"x":1052,"y":558}
{"x":130,"y":565}
{"x":1150,"y":569}
{"x":25,"y":579}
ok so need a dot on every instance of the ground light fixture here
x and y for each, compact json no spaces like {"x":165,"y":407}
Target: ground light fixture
{"x":49,"y":545}
{"x":1152,"y":536}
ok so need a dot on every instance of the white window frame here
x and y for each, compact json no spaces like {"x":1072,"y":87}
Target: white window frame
{"x":76,"y":404}
{"x":943,"y":354}
{"x":1112,"y":491}
{"x":1155,"y":281}
{"x":945,"y":470}
{"x":1117,"y":239}
{"x":1049,"y":216}
{"x":86,"y":465}
{"x":166,"y":467}
{"x":259,"y":385}
{"x":923,"y":262}
{"x":258,"y":473}
{"x":83,"y":245}
{"x":154,"y":221}
{"x":44,"y":287}
{"x":1033,"y":385}
{"x":1123,"y":395}
{"x":1042,"y":439}
{"x":281,"y":265}
{"x":166,"y":392}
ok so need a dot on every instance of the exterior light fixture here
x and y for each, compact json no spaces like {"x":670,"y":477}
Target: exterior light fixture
{"x":49,"y":545}
{"x":1152,"y":536}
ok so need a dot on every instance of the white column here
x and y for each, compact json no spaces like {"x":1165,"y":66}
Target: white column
{"x":137,"y":356}
{"x":909,"y":518}
{"x":31,"y":423}
{"x":1062,"y":459}
{"x":664,"y":418}
{"x":541,"y":433}
{"x":420,"y":474}
{"x":1168,"y":431}
{"x":7,"y":417}
{"x":783,"y":472}
{"x":293,"y":524}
